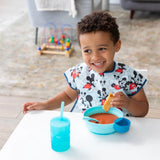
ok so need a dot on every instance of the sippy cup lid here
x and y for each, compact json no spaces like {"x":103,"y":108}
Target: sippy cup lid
{"x":60,"y":126}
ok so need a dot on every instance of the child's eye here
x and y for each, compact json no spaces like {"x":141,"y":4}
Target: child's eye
{"x":102,"y":49}
{"x":87,"y":51}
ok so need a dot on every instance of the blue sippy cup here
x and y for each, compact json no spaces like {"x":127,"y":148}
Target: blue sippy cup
{"x":60,"y":132}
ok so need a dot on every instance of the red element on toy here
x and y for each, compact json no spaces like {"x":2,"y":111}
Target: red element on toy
{"x":88,"y":85}
{"x":63,"y":36}
{"x":132,"y":86}
{"x":75,"y":74}
{"x":56,"y":41}
{"x":117,"y":87}
{"x":119,"y":70}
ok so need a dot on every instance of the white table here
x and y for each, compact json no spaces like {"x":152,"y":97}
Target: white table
{"x":31,"y":140}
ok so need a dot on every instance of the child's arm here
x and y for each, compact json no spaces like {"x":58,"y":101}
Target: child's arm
{"x":137,"y":104}
{"x":68,"y":96}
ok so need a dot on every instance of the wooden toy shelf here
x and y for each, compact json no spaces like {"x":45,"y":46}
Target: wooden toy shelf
{"x":45,"y":49}
{"x":56,"y":41}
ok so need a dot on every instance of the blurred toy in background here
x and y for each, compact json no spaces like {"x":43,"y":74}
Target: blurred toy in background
{"x":56,"y":41}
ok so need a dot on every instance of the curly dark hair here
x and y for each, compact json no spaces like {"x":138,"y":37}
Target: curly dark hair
{"x":99,"y":21}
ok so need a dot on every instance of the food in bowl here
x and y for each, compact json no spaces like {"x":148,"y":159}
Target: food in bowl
{"x":98,"y":128}
{"x":104,"y":118}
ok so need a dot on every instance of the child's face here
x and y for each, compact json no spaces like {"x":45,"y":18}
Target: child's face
{"x":98,"y":50}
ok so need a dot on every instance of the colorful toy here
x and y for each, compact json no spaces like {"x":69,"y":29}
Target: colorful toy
{"x":56,"y":41}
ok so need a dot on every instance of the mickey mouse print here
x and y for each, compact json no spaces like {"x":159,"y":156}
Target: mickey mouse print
{"x":93,"y":87}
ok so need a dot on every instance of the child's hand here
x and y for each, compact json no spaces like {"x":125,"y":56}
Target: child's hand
{"x":120,"y":100}
{"x":33,"y":106}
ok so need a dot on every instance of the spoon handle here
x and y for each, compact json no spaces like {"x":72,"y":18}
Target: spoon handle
{"x":90,"y":119}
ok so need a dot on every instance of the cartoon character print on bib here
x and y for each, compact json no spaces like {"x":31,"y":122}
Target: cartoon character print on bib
{"x":93,"y":87}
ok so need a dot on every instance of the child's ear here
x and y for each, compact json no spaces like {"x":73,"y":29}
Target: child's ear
{"x":118,"y":45}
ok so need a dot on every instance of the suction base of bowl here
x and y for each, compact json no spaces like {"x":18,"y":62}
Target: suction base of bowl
{"x":103,"y":133}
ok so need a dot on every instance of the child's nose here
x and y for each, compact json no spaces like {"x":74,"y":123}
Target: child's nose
{"x":95,"y":56}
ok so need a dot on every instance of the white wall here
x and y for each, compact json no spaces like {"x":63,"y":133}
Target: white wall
{"x":114,"y":1}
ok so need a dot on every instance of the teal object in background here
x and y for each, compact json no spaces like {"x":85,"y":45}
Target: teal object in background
{"x":101,"y":129}
{"x":60,"y":132}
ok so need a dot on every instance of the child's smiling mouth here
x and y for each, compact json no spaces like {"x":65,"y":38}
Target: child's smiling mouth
{"x":98,"y":64}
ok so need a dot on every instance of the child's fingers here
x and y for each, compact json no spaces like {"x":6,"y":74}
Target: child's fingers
{"x":117,"y":103}
{"x":31,"y":107}
{"x":26,"y":107}
{"x":24,"y":110}
{"x":118,"y":94}
{"x":120,"y":100}
{"x":28,"y":104}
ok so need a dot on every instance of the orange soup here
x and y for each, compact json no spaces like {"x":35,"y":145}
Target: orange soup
{"x":104,"y":118}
